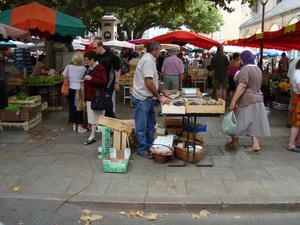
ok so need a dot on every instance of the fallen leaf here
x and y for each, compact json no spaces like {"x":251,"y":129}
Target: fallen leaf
{"x":86,"y":211}
{"x":140,"y":213}
{"x":204,"y":213}
{"x":15,"y":189}
{"x":122,"y":212}
{"x":152,"y":216}
{"x":237,"y":217}
{"x":85,"y":218}
{"x":195,"y":216}
{"x":132,"y":214}
{"x":95,"y":217}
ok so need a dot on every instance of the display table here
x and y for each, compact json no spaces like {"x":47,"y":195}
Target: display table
{"x":193,"y":116}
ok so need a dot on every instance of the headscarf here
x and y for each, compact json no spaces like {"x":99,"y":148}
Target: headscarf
{"x":247,"y":58}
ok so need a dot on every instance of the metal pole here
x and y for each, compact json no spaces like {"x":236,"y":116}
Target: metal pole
{"x":262,"y":30}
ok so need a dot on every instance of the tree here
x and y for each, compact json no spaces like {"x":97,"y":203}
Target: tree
{"x":80,"y":7}
{"x":197,"y":17}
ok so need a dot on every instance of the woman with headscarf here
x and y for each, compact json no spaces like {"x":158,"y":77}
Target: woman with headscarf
{"x":248,"y":104}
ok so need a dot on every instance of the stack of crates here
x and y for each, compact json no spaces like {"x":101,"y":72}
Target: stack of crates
{"x":22,"y":60}
{"x":21,"y":115}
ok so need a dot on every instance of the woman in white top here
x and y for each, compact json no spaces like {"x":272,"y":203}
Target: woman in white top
{"x":75,"y":72}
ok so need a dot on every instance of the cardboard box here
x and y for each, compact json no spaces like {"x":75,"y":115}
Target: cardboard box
{"x":103,"y":151}
{"x":117,"y":161}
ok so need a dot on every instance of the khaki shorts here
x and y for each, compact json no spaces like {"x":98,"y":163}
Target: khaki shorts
{"x":218,"y":83}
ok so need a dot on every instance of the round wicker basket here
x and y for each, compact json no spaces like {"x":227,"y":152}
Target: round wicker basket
{"x":160,"y":159}
{"x":181,"y":153}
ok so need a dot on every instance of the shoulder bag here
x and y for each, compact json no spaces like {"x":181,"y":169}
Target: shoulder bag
{"x":66,"y":85}
{"x":100,"y":102}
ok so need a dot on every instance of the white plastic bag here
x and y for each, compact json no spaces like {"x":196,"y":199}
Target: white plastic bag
{"x":229,"y":124}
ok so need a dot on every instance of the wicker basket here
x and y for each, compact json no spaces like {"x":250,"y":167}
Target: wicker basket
{"x":160,"y":159}
{"x":180,"y":153}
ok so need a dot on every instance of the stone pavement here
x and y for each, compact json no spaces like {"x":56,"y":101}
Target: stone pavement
{"x":59,"y":166}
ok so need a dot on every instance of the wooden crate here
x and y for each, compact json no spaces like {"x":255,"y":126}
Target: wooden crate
{"x":21,"y":126}
{"x":14,"y":81}
{"x":173,"y":125}
{"x":172,"y":109}
{"x":24,"y":114}
{"x":35,"y":101}
{"x":116,"y":124}
{"x":205,"y":106}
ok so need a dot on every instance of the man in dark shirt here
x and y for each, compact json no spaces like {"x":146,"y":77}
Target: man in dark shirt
{"x":219,"y":64}
{"x":113,"y":70}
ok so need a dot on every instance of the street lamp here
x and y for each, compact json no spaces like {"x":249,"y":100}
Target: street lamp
{"x":263,"y":3}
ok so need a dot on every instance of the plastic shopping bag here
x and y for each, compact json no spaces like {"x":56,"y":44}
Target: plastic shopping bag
{"x":229,"y":124}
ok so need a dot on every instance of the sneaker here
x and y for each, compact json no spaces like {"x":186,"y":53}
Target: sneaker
{"x":81,"y":130}
{"x":146,"y":154}
{"x":160,"y":114}
{"x":98,"y":130}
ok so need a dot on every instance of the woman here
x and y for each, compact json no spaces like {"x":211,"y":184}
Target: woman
{"x":94,"y":80}
{"x":75,"y":72}
{"x":248,"y":104}
{"x":40,"y":67}
{"x":234,"y":66}
{"x":295,"y":130}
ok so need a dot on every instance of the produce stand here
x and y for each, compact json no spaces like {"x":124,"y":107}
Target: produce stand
{"x":190,"y":108}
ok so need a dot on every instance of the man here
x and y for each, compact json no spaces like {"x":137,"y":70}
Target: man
{"x":219,"y":64}
{"x":113,"y":70}
{"x":172,"y":71}
{"x":145,"y":87}
{"x":161,"y":59}
{"x":208,"y":68}
{"x":283,"y":64}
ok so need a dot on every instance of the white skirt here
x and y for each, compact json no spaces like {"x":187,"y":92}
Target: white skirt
{"x":93,"y":115}
{"x":252,"y":120}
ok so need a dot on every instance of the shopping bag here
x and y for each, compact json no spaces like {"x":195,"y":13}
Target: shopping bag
{"x":229,"y":124}
{"x":65,"y":86}
{"x":80,"y":100}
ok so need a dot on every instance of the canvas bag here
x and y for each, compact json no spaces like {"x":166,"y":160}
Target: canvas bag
{"x":80,"y":100}
{"x":66,"y":85}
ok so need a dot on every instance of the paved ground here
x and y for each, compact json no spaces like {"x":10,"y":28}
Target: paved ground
{"x":59,"y":165}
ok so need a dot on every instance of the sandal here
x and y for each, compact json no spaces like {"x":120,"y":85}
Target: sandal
{"x":89,"y":142}
{"x":251,"y":150}
{"x":230,"y":145}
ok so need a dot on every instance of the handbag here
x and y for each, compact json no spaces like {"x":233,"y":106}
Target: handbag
{"x":80,"y":100}
{"x":100,"y":102}
{"x":229,"y":124}
{"x":66,"y":85}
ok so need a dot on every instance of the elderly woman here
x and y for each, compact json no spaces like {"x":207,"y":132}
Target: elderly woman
{"x":94,"y":81}
{"x":75,"y":73}
{"x":248,"y":104}
{"x":295,"y":130}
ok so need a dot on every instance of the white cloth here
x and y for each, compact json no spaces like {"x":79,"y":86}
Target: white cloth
{"x":292,"y":67}
{"x":146,"y":67}
{"x":38,"y":68}
{"x":76,"y":74}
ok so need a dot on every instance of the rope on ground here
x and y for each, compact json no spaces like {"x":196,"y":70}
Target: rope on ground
{"x":38,"y":135}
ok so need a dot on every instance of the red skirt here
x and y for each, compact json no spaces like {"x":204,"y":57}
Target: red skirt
{"x":296,"y":110}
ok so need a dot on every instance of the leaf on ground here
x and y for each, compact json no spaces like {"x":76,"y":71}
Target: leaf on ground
{"x":15,"y":189}
{"x":122,"y":212}
{"x":140,"y":213}
{"x":132,"y":214}
{"x":21,"y":223}
{"x":204,"y":213}
{"x":195,"y":216}
{"x":237,"y":217}
{"x":91,"y":218}
{"x":152,"y":216}
{"x":86,"y":211}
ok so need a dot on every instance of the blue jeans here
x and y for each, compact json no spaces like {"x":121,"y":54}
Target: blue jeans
{"x":110,"y":113}
{"x":145,"y":121}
